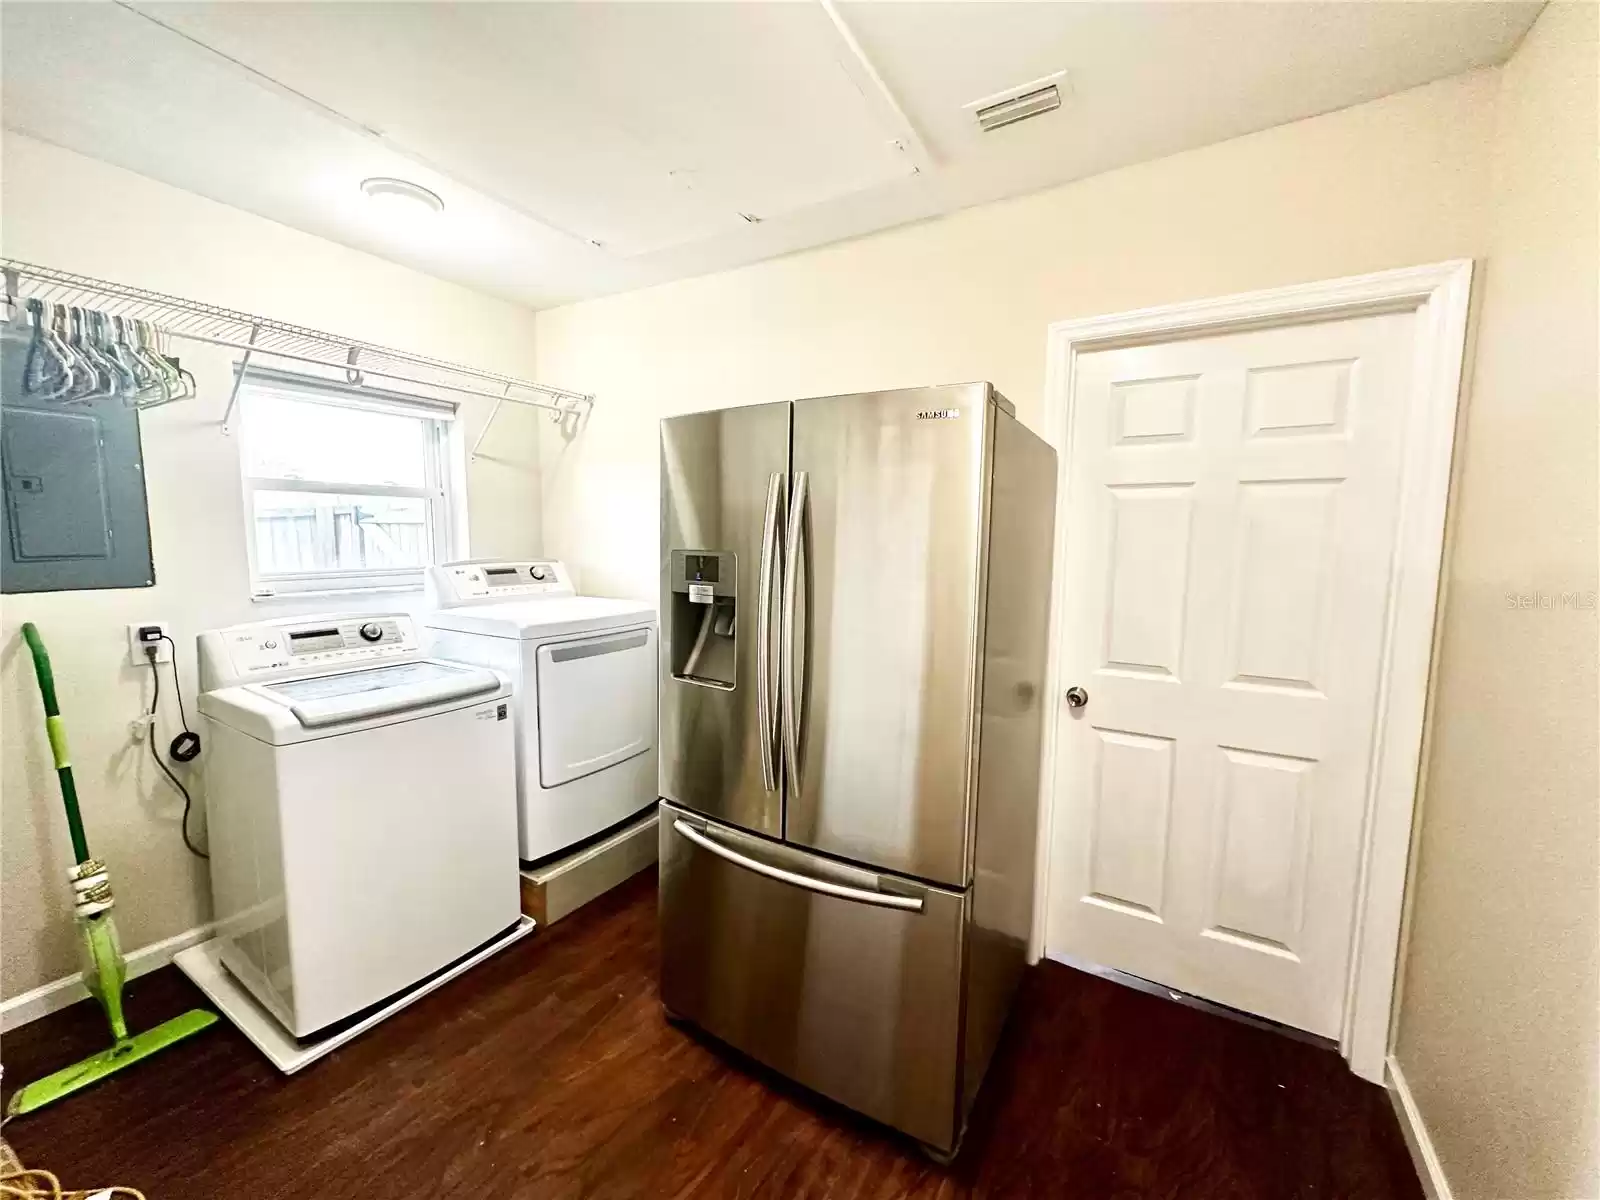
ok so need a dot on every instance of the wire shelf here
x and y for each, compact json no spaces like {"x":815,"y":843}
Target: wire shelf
{"x":214,"y":325}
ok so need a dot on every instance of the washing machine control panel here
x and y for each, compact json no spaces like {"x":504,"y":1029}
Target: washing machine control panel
{"x":470,"y":582}
{"x":265,"y":649}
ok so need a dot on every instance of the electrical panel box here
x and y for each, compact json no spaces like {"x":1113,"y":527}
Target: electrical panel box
{"x":74,"y":514}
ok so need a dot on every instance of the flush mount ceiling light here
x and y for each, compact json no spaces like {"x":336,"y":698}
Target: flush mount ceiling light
{"x":400,"y":197}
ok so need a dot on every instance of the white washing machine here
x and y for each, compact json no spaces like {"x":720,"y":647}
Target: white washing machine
{"x":361,"y":807}
{"x":583,"y":679}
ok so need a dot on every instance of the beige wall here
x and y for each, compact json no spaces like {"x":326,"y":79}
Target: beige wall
{"x":1396,"y":182}
{"x":67,"y":211}
{"x":1500,"y":1012}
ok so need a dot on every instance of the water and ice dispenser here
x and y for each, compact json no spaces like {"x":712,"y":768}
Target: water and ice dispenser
{"x":703,"y":624}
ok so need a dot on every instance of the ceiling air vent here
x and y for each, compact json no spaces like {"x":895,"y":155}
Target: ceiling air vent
{"x":1018,"y":103}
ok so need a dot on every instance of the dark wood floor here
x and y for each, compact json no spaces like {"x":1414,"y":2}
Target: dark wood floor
{"x":550,"y":1072}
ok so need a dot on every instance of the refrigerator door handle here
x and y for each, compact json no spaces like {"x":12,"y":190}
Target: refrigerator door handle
{"x":825,"y":886}
{"x":791,"y":677}
{"x":766,"y":673}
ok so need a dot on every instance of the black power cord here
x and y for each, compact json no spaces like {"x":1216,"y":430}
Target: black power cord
{"x":187,"y":738}
{"x":186,"y":746}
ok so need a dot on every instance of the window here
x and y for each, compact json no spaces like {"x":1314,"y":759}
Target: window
{"x":345,"y":490}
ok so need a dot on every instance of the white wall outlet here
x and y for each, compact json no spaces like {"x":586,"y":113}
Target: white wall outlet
{"x":139,"y":636}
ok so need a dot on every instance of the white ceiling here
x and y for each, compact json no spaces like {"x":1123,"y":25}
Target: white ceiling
{"x":589,"y":147}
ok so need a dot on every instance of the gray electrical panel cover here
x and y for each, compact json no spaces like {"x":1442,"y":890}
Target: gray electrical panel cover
{"x":74,"y":514}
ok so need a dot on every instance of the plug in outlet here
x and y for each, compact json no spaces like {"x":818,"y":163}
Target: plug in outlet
{"x":149,"y":633}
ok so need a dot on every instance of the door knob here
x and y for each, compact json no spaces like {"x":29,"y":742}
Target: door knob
{"x":1077,"y":697}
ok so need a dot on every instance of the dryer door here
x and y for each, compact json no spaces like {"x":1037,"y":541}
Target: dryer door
{"x":597,"y":703}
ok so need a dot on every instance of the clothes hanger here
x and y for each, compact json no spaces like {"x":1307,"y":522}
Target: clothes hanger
{"x":160,"y":379}
{"x":145,"y":383}
{"x":100,"y":331}
{"x":48,"y":372}
{"x":151,"y":337}
{"x":188,"y":388}
{"x":102,"y":380}
{"x":85,"y":379}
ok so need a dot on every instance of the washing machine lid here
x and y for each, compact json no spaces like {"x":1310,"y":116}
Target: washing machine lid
{"x":336,"y":703}
{"x":532,"y":620}
{"x":380,"y":691}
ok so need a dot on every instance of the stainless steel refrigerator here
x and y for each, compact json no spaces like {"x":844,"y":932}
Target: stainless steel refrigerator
{"x":854,"y":607}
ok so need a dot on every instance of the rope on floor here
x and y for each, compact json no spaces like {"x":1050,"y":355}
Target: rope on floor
{"x":42,"y":1185}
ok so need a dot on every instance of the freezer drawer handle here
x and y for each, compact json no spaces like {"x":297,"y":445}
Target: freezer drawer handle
{"x":826,"y":887}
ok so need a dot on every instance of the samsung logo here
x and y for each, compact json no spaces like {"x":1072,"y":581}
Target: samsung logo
{"x":939,"y":414}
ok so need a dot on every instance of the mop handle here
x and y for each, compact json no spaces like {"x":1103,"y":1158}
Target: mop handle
{"x":57,"y":733}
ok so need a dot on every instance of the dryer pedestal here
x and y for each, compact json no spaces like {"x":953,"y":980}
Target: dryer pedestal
{"x":563,"y":885}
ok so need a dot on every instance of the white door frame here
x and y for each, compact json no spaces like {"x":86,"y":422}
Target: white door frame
{"x":1438,"y":294}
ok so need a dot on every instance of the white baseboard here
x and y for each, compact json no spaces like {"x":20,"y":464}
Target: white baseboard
{"x":1423,"y":1155}
{"x":58,"y":994}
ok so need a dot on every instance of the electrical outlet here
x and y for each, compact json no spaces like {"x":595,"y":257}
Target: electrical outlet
{"x":140,"y":636}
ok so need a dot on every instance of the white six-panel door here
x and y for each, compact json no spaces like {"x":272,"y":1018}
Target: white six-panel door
{"x":1231,"y":511}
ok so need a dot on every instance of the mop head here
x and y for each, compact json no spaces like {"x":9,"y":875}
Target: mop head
{"x":96,"y":1067}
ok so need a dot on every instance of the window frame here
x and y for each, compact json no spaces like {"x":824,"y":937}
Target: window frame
{"x":443,"y":491}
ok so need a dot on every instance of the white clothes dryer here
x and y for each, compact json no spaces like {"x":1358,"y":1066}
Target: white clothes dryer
{"x":583,"y":681}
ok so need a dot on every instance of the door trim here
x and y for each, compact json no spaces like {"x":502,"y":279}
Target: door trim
{"x":1439,"y":294}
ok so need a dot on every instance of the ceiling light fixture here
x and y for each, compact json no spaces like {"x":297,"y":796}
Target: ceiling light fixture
{"x":401,"y":198}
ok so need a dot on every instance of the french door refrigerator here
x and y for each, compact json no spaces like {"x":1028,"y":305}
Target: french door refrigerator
{"x":854,"y":600}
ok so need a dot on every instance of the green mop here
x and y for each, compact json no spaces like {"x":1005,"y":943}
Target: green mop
{"x":104,"y":968}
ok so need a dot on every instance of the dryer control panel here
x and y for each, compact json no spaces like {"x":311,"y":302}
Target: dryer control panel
{"x":303,"y":646}
{"x":488,"y":580}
